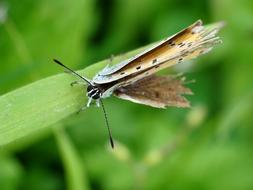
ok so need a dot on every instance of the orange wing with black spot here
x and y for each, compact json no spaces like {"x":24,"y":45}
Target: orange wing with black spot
{"x":187,"y":44}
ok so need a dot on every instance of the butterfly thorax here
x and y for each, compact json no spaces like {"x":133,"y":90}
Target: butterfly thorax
{"x":94,"y":92}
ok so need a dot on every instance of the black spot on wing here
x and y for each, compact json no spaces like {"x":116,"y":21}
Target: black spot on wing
{"x":171,"y":43}
{"x":189,"y":44}
{"x":157,"y":94}
{"x":181,"y":44}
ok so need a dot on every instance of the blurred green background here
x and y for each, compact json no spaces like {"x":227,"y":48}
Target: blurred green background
{"x":208,"y":146}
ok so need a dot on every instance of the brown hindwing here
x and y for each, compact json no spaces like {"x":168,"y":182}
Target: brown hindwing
{"x":156,"y":91}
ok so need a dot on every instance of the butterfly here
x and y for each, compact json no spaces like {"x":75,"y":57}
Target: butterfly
{"x":134,"y":79}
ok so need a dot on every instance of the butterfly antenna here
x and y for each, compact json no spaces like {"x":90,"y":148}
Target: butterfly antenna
{"x":75,"y":73}
{"x":107,"y":124}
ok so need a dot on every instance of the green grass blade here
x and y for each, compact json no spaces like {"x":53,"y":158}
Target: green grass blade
{"x":74,"y":170}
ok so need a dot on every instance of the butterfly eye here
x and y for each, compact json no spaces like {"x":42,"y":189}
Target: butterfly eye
{"x":96,"y":95}
{"x":93,"y":92}
{"x":89,"y":88}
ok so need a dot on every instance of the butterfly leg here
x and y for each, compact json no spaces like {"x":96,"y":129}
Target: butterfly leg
{"x":77,"y":82}
{"x":82,"y":109}
{"x":86,"y":106}
{"x":110,"y":62}
{"x":68,"y":72}
{"x":89,"y":102}
{"x":111,"y":58}
{"x":97,"y":103}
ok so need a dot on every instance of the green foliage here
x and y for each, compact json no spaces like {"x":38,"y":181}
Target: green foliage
{"x":45,"y":145}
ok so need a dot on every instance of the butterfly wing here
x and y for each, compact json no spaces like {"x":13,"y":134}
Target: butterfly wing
{"x":199,"y":49}
{"x":187,"y":55}
{"x":194,"y":37}
{"x":156,"y":91}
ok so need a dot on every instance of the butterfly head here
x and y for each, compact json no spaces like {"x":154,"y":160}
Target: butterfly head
{"x":94,"y":92}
